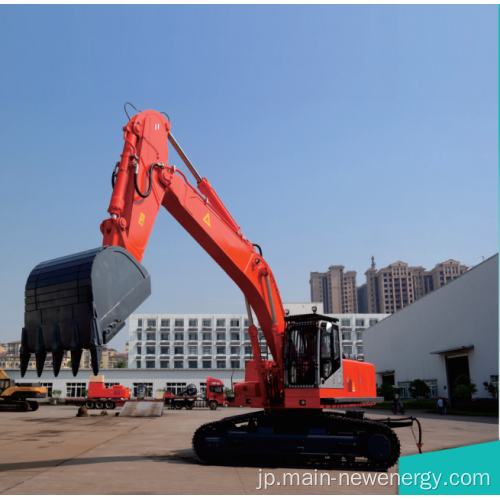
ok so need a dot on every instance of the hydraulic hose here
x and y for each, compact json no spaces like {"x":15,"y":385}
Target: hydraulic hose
{"x":145,"y":195}
{"x":258,"y":246}
{"x":114,"y":174}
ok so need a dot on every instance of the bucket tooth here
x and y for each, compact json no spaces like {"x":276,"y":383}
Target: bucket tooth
{"x":40,"y":352}
{"x":95,"y":358}
{"x":57,"y":351}
{"x":24,"y":362}
{"x":24,"y":352}
{"x":76,"y":357}
{"x":40,"y":361}
{"x":57,"y":358}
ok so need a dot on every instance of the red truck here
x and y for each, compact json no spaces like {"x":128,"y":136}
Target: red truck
{"x":189,"y":399}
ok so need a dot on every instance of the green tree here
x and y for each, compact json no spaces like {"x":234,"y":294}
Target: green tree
{"x":419,"y":389}
{"x":387,"y":391}
{"x":228,"y":392}
{"x":120,"y":364}
{"x":84,"y":393}
{"x":463,"y":388}
{"x":492,"y":389}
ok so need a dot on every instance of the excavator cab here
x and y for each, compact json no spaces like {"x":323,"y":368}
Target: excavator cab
{"x":5,"y":384}
{"x":78,"y":302}
{"x":312,"y":353}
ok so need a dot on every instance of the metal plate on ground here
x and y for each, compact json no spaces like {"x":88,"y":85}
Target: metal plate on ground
{"x":142,"y":409}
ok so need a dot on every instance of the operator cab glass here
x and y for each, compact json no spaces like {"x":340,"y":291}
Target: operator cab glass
{"x":312,"y":352}
{"x":216,"y":388}
{"x":329,"y":351}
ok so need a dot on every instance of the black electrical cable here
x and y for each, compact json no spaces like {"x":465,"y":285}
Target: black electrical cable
{"x":163,"y":113}
{"x":413,"y":419}
{"x":419,"y":444}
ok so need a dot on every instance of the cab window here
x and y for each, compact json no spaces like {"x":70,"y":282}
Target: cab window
{"x":302,"y":356}
{"x":326,"y":354}
{"x":215,"y":388}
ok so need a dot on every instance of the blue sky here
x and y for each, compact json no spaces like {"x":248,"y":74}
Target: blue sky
{"x":331,"y":133}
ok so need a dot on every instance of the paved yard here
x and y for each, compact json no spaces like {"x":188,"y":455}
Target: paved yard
{"x":53,"y":452}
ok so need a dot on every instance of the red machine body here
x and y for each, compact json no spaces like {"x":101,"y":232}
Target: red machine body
{"x":359,"y":384}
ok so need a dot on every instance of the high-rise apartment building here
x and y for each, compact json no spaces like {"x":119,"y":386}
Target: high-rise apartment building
{"x":397,"y":285}
{"x":336,"y":289}
{"x":362,"y":299}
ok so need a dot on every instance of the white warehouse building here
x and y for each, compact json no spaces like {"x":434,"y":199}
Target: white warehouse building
{"x":449,"y":332}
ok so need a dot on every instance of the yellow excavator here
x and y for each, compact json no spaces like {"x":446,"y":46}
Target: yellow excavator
{"x":13,"y":397}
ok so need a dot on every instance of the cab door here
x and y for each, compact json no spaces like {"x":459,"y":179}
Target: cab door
{"x":330,"y":357}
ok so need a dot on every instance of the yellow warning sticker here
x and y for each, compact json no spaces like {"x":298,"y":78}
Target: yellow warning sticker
{"x":207,"y":219}
{"x":141,"y":219}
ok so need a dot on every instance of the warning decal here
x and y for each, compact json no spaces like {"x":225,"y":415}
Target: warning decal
{"x":207,"y":219}
{"x":141,"y":219}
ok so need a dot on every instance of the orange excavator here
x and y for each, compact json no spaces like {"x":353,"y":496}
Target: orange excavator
{"x":81,"y":301}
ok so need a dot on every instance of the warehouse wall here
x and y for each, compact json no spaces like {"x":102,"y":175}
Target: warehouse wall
{"x":463,"y":312}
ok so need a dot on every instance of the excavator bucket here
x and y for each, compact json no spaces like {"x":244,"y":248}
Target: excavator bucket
{"x":78,"y":302}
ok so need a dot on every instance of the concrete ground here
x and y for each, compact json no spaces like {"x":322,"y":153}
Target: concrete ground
{"x":53,"y":452}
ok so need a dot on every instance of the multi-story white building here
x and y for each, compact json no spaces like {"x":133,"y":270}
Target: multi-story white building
{"x":215,"y":341}
{"x":189,"y":341}
{"x":352,"y":327}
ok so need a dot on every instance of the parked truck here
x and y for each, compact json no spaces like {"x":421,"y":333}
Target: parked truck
{"x":190,"y":399}
{"x":99,"y":396}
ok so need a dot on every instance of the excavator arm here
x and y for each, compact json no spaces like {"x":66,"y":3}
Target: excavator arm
{"x":111,"y":279}
{"x":199,"y":211}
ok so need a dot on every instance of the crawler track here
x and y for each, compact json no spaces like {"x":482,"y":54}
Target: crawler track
{"x":294,"y":439}
{"x":11,"y":405}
